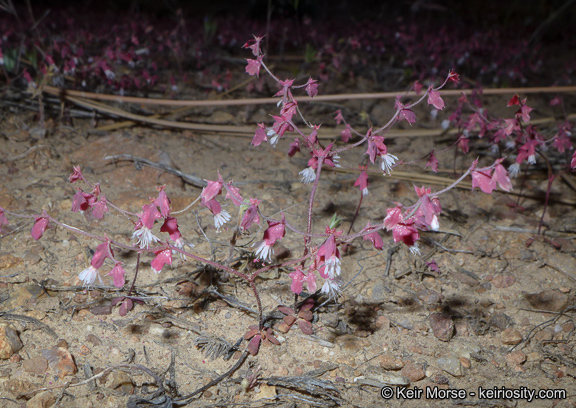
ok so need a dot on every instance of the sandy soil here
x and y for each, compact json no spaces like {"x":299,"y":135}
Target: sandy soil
{"x":495,"y":314}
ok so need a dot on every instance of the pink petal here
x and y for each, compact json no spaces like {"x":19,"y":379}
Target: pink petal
{"x":162,"y":258}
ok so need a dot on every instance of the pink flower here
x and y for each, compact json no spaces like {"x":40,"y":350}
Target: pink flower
{"x":297,"y":281}
{"x":103,"y":251}
{"x":81,"y":201}
{"x":213,"y":188}
{"x":275,"y":231}
{"x":76,"y":175}
{"x":100,"y":207}
{"x":435,"y":99}
{"x":254,"y":45}
{"x":143,"y":229}
{"x":432,"y":162}
{"x":393,"y":217}
{"x":339,"y":118}
{"x":171,"y":227}
{"x":251,"y":215}
{"x":40,"y":226}
{"x":405,"y":232}
{"x":374,"y":237}
{"x":163,"y":202}
{"x":294,"y":148}
{"x":573,"y":162}
{"x":483,"y":180}
{"x":88,"y":276}
{"x":501,"y":177}
{"x":362,"y":183}
{"x":331,"y":287}
{"x":253,"y":67}
{"x":260,"y":135}
{"x":221,"y":216}
{"x":117,"y":274}
{"x":346,"y":134}
{"x":312,"y":88}
{"x":404,"y":113}
{"x":330,"y":255}
{"x":162,"y":258}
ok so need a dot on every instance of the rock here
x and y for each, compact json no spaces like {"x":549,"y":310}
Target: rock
{"x":9,"y":341}
{"x":9,"y":261}
{"x":442,"y":326}
{"x":450,"y":364}
{"x":330,"y":320}
{"x":18,"y":387}
{"x":429,"y":297}
{"x":551,"y":300}
{"x":42,"y":400}
{"x":101,"y":310}
{"x":22,"y":296}
{"x":501,"y":321}
{"x":465,"y":349}
{"x":388,"y":362}
{"x":95,"y":340}
{"x":503,"y":282}
{"x":121,"y":381}
{"x":382,"y":322}
{"x":37,"y":365}
{"x":413,"y":371}
{"x":349,"y":342}
{"x":60,"y":361}
{"x":515,"y":358}
{"x":511,"y":337}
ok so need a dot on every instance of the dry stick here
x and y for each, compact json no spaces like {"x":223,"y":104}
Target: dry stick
{"x":238,"y":130}
{"x":215,"y":381}
{"x":188,"y":178}
{"x":318,"y":98}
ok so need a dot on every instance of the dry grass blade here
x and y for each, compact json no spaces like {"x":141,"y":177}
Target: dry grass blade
{"x":212,"y":347}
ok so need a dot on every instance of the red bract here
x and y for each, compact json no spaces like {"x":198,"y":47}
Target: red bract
{"x":346,"y":134}
{"x":233,"y":194}
{"x":362,"y":182}
{"x":40,"y":226}
{"x":406,"y":233}
{"x":100,"y":207}
{"x":163,"y":202}
{"x":294,"y":147}
{"x":117,"y":274}
{"x":374,"y":237}
{"x":453,"y":76}
{"x":339,"y":118}
{"x":393,"y":217}
{"x":76,"y":175}
{"x":483,"y":180}
{"x":404,"y":112}
{"x":260,"y":135}
{"x":254,"y":45}
{"x":213,"y":189}
{"x":163,"y":257}
{"x":573,"y":162}
{"x":103,"y":251}
{"x":501,"y":177}
{"x":311,"y":88}
{"x":435,"y":99}
{"x":81,"y":201}
{"x":253,"y":67}
{"x":432,"y":162}
{"x":275,"y":231}
{"x":251,"y":215}
{"x":171,"y":227}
